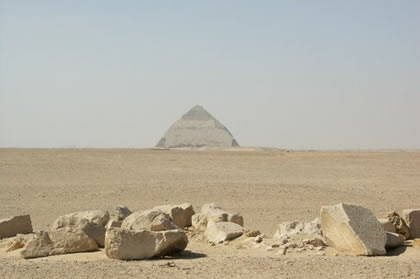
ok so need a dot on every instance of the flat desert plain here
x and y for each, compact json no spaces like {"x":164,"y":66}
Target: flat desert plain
{"x":266,"y":187}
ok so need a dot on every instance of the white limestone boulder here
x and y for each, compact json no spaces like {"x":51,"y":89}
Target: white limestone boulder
{"x":91,"y":222}
{"x":412,"y":219}
{"x":180,"y":214}
{"x":352,"y":229}
{"x":218,"y":232}
{"x":58,"y":242}
{"x":15,"y":225}
{"x":125,"y":244}
{"x":211,"y":212}
{"x":151,"y":220}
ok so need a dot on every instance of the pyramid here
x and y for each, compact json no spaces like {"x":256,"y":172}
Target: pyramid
{"x":197,"y":128}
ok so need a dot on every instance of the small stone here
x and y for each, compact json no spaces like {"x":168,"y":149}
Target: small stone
{"x":258,"y":239}
{"x":252,"y":233}
{"x":222,"y":231}
{"x":122,"y":212}
{"x":282,"y":251}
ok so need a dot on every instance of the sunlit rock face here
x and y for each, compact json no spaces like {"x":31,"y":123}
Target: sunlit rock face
{"x":197,"y":128}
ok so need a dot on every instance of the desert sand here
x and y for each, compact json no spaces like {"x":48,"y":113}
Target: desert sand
{"x":267,"y":187}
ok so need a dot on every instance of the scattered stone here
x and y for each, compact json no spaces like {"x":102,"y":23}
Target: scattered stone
{"x":394,"y":240}
{"x":122,"y":212}
{"x":180,"y":214}
{"x":151,"y":220}
{"x":58,"y":242}
{"x":125,"y":244}
{"x":387,"y":225}
{"x":91,"y":222}
{"x":15,"y":225}
{"x":399,"y":224}
{"x":352,"y":229}
{"x":223,"y":231}
{"x":412,"y":219}
{"x":289,"y":229}
{"x":314,"y":241}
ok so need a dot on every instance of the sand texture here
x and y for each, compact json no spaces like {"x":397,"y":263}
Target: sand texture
{"x":266,"y":187}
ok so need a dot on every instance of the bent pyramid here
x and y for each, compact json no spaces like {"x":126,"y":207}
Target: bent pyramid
{"x":197,"y":128}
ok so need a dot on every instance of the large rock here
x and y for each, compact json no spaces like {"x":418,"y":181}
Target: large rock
{"x":180,"y":214}
{"x":352,"y":229}
{"x":125,"y":244}
{"x":412,"y":219}
{"x":61,"y":241}
{"x":91,"y":222}
{"x":151,"y":220}
{"x":218,"y":232}
{"x":399,"y":224}
{"x":122,"y":212}
{"x":15,"y":225}
{"x":213,"y":213}
{"x":394,"y":240}
{"x":387,"y":225}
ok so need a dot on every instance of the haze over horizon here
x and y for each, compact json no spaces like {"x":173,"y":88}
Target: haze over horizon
{"x":286,"y":74}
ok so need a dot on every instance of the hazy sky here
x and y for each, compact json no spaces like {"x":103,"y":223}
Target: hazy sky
{"x":290,"y":74}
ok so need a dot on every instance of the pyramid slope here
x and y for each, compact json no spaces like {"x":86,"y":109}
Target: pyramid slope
{"x":197,"y":128}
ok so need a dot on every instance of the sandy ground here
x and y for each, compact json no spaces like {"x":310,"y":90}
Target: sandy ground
{"x":266,"y":187}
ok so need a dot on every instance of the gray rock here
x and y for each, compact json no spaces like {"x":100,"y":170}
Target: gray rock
{"x":218,"y":232}
{"x":58,"y":242}
{"x":394,"y":240}
{"x":412,"y":219}
{"x":152,"y":220}
{"x":352,"y":229}
{"x":122,"y":212}
{"x":125,"y":244}
{"x":15,"y":225}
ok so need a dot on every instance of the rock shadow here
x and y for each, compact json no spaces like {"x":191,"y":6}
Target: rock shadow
{"x":186,"y":255}
{"x":396,"y":251}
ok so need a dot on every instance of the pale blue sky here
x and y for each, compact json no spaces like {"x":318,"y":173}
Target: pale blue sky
{"x":289,"y":74}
